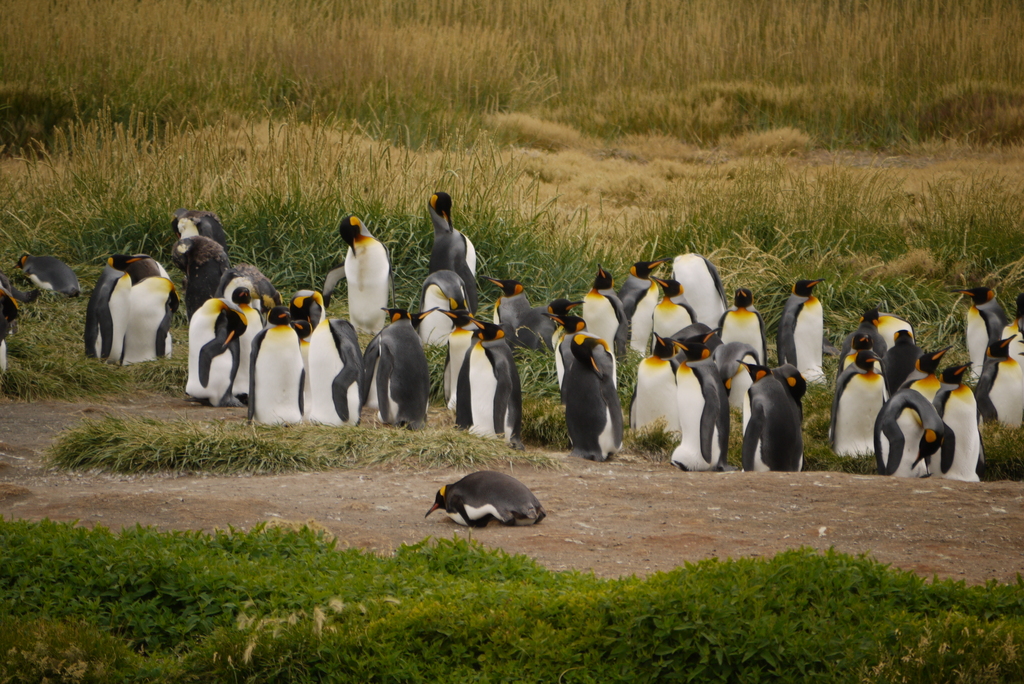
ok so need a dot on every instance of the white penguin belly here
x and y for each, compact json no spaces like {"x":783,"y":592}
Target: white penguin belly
{"x":977,"y":340}
{"x":1006,"y":394}
{"x":810,"y":326}
{"x":642,"y":322}
{"x":961,"y":415}
{"x":690,"y":403}
{"x":910,"y":425}
{"x":278,"y":370}
{"x":200,"y":331}
{"x":599,"y":314}
{"x":220,"y":377}
{"x":692,"y":273}
{"x":669,"y":318}
{"x":746,"y":409}
{"x":607,"y":441}
{"x":483,"y":385}
{"x":3,"y":354}
{"x":371,"y":393}
{"x":434,"y":328}
{"x":458,"y":345}
{"x":368,"y":286}
{"x":119,"y":306}
{"x":39,"y":283}
{"x":147,"y":312}
{"x":855,"y":418}
{"x":470,"y":255}
{"x":743,"y":326}
{"x":759,"y":465}
{"x":655,"y":396}
{"x":324,"y":366}
{"x":741,"y":382}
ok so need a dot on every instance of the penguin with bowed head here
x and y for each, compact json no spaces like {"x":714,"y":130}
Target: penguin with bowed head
{"x":743,"y":323}
{"x":396,"y":378}
{"x":107,"y":310}
{"x":307,"y":305}
{"x":459,"y":340}
{"x":214,"y":351}
{"x":732,"y":360}
{"x":908,"y":431}
{"x":703,"y":286}
{"x":336,"y":374}
{"x":986,"y":321}
{"x":860,"y":394}
{"x":773,"y":435}
{"x":151,"y":303}
{"x":999,"y":392}
{"x":801,"y":330}
{"x":604,"y":314}
{"x":889,"y":325}
{"x":49,"y":273}
{"x":481,"y":497}
{"x":654,"y":397}
{"x":203,"y":261}
{"x":703,"y":410}
{"x":639,"y":296}
{"x":524,"y":325}
{"x":264,"y":295}
{"x":452,"y":250}
{"x":557,"y":307}
{"x":192,"y":222}
{"x":962,"y":456}
{"x":442,"y":292}
{"x":900,"y":360}
{"x":277,"y":374}
{"x":490,"y":400}
{"x":367,"y":269}
{"x":593,"y":414}
{"x":241,"y":297}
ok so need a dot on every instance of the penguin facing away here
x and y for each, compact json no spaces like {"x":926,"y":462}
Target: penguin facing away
{"x":962,"y":456}
{"x":860,"y":394}
{"x":490,"y":401}
{"x":593,"y":415}
{"x":204,"y":261}
{"x":452,"y":250}
{"x":985,"y":323}
{"x":773,"y":435}
{"x":794,"y":383}
{"x":801,"y":330}
{"x":367,"y":268}
{"x":900,"y":360}
{"x":703,"y":286}
{"x":604,"y":314}
{"x":336,"y":373}
{"x":481,"y":497}
{"x":908,"y":431}
{"x":743,"y":323}
{"x":396,"y":377}
{"x":214,"y":354}
{"x":999,"y":392}
{"x":703,"y":410}
{"x":868,"y":327}
{"x":639,"y":296}
{"x":49,"y":273}
{"x":276,"y":372}
{"x":147,"y":336}
{"x":654,"y":396}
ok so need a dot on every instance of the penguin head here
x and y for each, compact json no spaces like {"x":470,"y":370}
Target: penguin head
{"x":663,"y":348}
{"x":642,"y":269}
{"x":789,"y":376}
{"x":350,"y":228}
{"x":303,"y":327}
{"x":438,"y":500}
{"x":21,"y":261}
{"x":1000,"y":349}
{"x":758,"y":372}
{"x":861,"y":342}
{"x":693,"y":348}
{"x":870,"y":316}
{"x":302,"y":305}
{"x":671,"y":288}
{"x":509,"y":288}
{"x":396,"y":315}
{"x":604,"y":280}
{"x":744,"y":298}
{"x":954,"y":375}
{"x":488,"y":332}
{"x":583,"y":347}
{"x":979,"y":295}
{"x":241,"y":295}
{"x":121,"y":262}
{"x":572,"y":324}
{"x":460,"y":317}
{"x":561,"y":307}
{"x":441,"y":204}
{"x":279,"y":316}
{"x":804,"y":288}
{"x":903,"y":337}
{"x":928,"y":362}
{"x":865,"y":360}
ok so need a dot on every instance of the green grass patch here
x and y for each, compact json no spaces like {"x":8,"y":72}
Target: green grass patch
{"x":138,"y":445}
{"x":287,"y":606}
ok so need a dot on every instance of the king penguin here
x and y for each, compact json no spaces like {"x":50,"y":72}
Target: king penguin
{"x":999,"y":389}
{"x":452,"y":250}
{"x":307,"y":305}
{"x":900,"y":360}
{"x":521,"y":322}
{"x":868,"y":327}
{"x":241,"y":296}
{"x":985,"y":323}
{"x":593,"y":414}
{"x":908,"y":431}
{"x":17,"y":294}
{"x":858,"y":342}
{"x":264,"y":295}
{"x":443,"y":291}
{"x":654,"y":397}
{"x":8,"y":314}
{"x":214,"y":351}
{"x":773,"y":436}
{"x":703,"y":410}
{"x":732,"y":360}
{"x":743,"y":323}
{"x":923,"y":379}
{"x":703,"y":286}
{"x":962,"y":456}
{"x":459,"y":341}
{"x":789,"y":376}
{"x":1014,"y":330}
{"x":860,"y":393}
{"x":801,"y":330}
{"x":367,"y":268}
{"x":604,"y":314}
{"x":396,"y":378}
{"x":639,"y":296}
{"x":336,"y":373}
{"x":481,"y":497}
{"x":276,"y":372}
{"x":147,"y":336}
{"x":49,"y":273}
{"x":304,"y":331}
{"x":490,"y":399}
{"x":673,"y":312}
{"x":570,"y":326}
{"x":104,"y":307}
{"x":890,"y":324}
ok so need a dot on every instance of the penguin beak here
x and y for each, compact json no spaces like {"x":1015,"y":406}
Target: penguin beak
{"x":433,"y":508}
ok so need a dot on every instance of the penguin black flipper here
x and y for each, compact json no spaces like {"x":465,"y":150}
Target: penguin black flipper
{"x":947,"y":451}
{"x":254,"y":352}
{"x":98,"y":321}
{"x":213,"y":348}
{"x":896,"y":443}
{"x":385,"y":369}
{"x":371,"y":358}
{"x":22,"y":297}
{"x":980,"y":468}
{"x":786,"y":342}
{"x":755,"y":426}
{"x":462,"y":268}
{"x":165,"y":325}
{"x":464,"y":394}
{"x":347,"y":343}
{"x":986,"y":408}
{"x":334,"y":276}
{"x":508,"y":398}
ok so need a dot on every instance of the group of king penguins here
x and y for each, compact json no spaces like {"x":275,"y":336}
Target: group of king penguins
{"x":291,"y":363}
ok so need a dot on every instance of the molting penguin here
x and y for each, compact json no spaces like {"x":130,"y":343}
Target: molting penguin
{"x":147,"y":336}
{"x":481,"y":497}
{"x":204,"y":261}
{"x":604,"y":313}
{"x":336,"y":373}
{"x":367,"y":268}
{"x":801,"y":330}
{"x":8,"y":314}
{"x":703,"y":409}
{"x":743,"y":323}
{"x":900,"y":360}
{"x":214,"y":352}
{"x":593,"y":414}
{"x":459,"y":341}
{"x":673,"y":312}
{"x":452,"y":250}
{"x":732,"y":360}
{"x":396,"y":379}
{"x":999,"y":389}
{"x":908,"y":431}
{"x":923,"y":379}
{"x":773,"y":436}
{"x":490,"y":400}
{"x":860,"y":394}
{"x":654,"y":397}
{"x":985,"y":323}
{"x":192,"y":222}
{"x":276,"y":372}
{"x":264,"y":295}
{"x":49,"y":273}
{"x":443,"y":292}
{"x":703,"y":286}
{"x":639,"y":296}
{"x":962,"y":456}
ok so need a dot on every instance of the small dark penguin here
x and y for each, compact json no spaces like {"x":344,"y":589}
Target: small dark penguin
{"x":489,"y":399}
{"x":204,"y":261}
{"x":49,"y":273}
{"x":773,"y":436}
{"x":900,"y":360}
{"x":190,"y":222}
{"x":396,"y":378}
{"x":481,"y":497}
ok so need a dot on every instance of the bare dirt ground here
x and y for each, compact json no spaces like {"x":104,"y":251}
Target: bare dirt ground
{"x":614,"y":518}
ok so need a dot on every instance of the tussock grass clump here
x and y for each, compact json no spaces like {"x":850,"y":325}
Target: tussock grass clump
{"x":777,"y":142}
{"x":652,"y":441}
{"x":137,"y":445}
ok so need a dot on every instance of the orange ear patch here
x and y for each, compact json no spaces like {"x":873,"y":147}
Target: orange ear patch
{"x":791,"y":381}
{"x":761,"y":374}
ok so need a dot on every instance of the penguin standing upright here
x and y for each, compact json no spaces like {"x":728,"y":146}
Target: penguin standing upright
{"x":868,"y":327}
{"x":962,"y":456}
{"x":923,"y":379}
{"x":593,"y":415}
{"x":152,"y":303}
{"x":204,"y":261}
{"x":452,"y":250}
{"x":703,"y":410}
{"x":8,"y":314}
{"x":367,"y":268}
{"x":214,"y":354}
{"x":743,"y":323}
{"x":557,"y":307}
{"x":860,"y":393}
{"x":511,"y":311}
{"x":276,"y":372}
{"x":732,"y":360}
{"x":459,"y":341}
{"x":654,"y":397}
{"x":703,"y":286}
{"x":801,"y":330}
{"x":191,"y":222}
{"x":99,"y":314}
{"x":908,"y":431}
{"x":858,"y":342}
{"x":999,"y":389}
{"x":1014,"y":330}
{"x":773,"y":435}
{"x":673,"y":312}
{"x":900,"y":360}
{"x":564,"y":358}
{"x":639,"y":296}
{"x":336,"y":373}
{"x":490,"y":401}
{"x":395,"y":372}
{"x":50,"y":273}
{"x":241,"y":297}
{"x":442,"y":292}
{"x":985,"y":323}
{"x":481,"y":497}
{"x":604,"y":314}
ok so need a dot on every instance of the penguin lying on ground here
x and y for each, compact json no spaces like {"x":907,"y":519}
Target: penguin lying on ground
{"x":49,"y":273}
{"x":481,"y":497}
